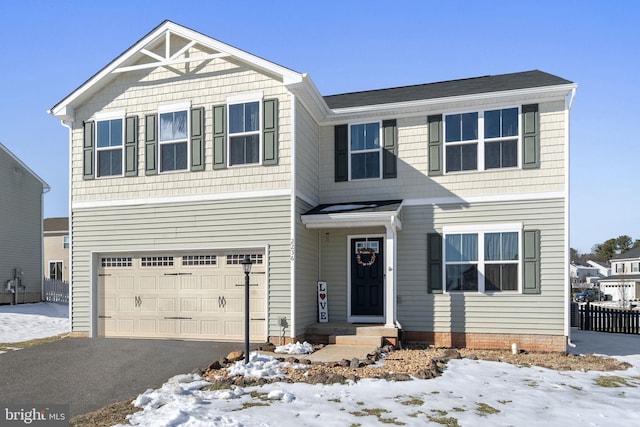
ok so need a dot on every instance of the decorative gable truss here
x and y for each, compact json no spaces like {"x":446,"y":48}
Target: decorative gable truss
{"x":183,"y":52}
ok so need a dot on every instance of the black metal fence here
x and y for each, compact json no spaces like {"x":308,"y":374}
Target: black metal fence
{"x":604,"y":319}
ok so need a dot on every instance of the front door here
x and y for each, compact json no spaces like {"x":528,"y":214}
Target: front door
{"x":367,"y":277}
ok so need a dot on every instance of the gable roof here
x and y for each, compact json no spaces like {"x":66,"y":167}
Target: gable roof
{"x":45,"y":186}
{"x":52,"y":225}
{"x":141,"y":55}
{"x":631,"y":253}
{"x":471,"y":86}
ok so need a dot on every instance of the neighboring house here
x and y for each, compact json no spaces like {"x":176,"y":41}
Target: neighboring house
{"x":583,"y":276}
{"x":624,"y":282}
{"x":56,"y":248}
{"x":21,"y":201}
{"x":441,"y":209}
{"x":603,"y":270}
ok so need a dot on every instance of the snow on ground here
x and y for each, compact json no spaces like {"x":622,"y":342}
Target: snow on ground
{"x":24,"y":322}
{"x":473,"y":392}
{"x":297,"y":348}
{"x":469,"y":393}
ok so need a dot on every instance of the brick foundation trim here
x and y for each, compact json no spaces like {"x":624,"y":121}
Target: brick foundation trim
{"x":478,"y":341}
{"x":79,"y":335}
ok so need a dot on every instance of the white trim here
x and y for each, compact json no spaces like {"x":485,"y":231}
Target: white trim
{"x":25,"y":167}
{"x":109,"y":115}
{"x":481,"y":230}
{"x":182,"y":199}
{"x":382,"y":108}
{"x":49,"y":267}
{"x":173,"y":107}
{"x":245,"y":97}
{"x":293,"y":222}
{"x":366,"y":150}
{"x":64,"y":108}
{"x":245,"y":100}
{"x":484,"y":199}
{"x":366,"y":319}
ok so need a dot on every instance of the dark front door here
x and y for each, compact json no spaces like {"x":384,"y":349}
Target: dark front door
{"x":367,"y":276}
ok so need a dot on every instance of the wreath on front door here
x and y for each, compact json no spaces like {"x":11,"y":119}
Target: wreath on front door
{"x":372,"y":257}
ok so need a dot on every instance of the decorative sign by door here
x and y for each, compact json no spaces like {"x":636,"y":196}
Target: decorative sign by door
{"x":323,"y":309}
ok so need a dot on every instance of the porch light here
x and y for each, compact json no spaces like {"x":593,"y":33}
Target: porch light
{"x":246,"y":266}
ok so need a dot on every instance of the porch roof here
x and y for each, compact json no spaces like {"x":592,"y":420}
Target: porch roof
{"x":354,"y":214}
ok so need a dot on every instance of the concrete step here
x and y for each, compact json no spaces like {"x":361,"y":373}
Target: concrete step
{"x":379,"y":331}
{"x":375,"y":341}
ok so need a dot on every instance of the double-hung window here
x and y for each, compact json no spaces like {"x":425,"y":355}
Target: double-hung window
{"x":365,"y":150}
{"x":482,"y":261}
{"x":501,"y":138}
{"x":173,"y":138}
{"x":244,"y":133}
{"x":482,"y":140}
{"x":109,"y":156}
{"x":461,"y":139}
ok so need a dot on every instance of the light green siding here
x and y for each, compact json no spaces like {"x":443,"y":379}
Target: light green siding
{"x":473,"y":312}
{"x":307,"y":152}
{"x":307,"y":258}
{"x":243,"y":223}
{"x":20,"y":228}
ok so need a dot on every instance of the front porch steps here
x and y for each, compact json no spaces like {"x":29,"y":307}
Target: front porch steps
{"x":371,"y":335}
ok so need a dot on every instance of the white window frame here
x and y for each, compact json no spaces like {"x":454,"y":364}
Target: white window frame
{"x":61,"y":262}
{"x":635,"y":267}
{"x":174,"y":108}
{"x":481,"y":230}
{"x":481,"y":141}
{"x":65,"y":241}
{"x":105,"y":117}
{"x":370,"y":150}
{"x":245,"y":99}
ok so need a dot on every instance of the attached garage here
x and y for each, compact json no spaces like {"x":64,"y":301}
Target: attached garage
{"x":181,"y":295}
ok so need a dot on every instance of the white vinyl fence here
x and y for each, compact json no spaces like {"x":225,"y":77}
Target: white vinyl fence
{"x":56,"y":290}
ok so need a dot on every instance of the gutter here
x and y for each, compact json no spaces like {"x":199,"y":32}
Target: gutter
{"x":567,"y":256}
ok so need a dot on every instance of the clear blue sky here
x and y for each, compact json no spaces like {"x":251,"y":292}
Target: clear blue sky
{"x":49,"y":48}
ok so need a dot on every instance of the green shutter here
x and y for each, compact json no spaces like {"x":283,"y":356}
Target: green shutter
{"x":435,"y":144}
{"x":87,"y":151}
{"x":434,"y":263}
{"x":270,"y":132}
{"x":150,"y":145}
{"x":197,"y":139}
{"x":390,"y":149}
{"x":341,"y":153}
{"x":531,"y":262}
{"x":219,"y":136}
{"x":530,"y":137}
{"x":131,"y":146}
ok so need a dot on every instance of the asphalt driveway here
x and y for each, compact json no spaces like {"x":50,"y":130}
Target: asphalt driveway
{"x":89,"y":373}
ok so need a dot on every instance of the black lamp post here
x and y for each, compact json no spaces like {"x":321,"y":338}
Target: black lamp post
{"x":246,"y":266}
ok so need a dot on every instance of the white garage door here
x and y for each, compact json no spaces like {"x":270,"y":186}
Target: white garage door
{"x":181,"y":296}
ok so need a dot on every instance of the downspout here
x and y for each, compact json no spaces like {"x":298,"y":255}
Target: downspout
{"x":45,"y":190}
{"x":567,"y":259}
{"x":292,"y":265}
{"x":69,"y":125}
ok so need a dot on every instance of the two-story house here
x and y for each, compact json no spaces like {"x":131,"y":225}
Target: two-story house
{"x":56,"y":248}
{"x":21,"y":210}
{"x":438,"y":209}
{"x":624,"y":283}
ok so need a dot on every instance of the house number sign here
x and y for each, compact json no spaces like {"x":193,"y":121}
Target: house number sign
{"x":323,"y":309}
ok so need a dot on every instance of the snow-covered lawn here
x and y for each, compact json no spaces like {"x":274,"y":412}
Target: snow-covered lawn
{"x":24,"y":322}
{"x":469,"y":393}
